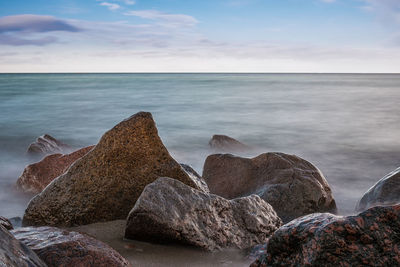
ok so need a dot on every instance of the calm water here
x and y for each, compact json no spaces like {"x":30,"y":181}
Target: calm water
{"x":347,"y":125}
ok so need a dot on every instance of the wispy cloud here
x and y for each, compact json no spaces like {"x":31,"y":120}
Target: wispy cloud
{"x":110,"y":6}
{"x":16,"y":41}
{"x":169,"y":19}
{"x":328,"y":1}
{"x":128,"y":2}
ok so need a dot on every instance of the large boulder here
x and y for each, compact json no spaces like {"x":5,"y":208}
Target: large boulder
{"x":57,"y":247}
{"x":15,"y":254}
{"x":169,"y":211}
{"x":37,"y":176}
{"x":385,"y":192}
{"x":6,"y":223}
{"x":371,"y":238}
{"x":200,"y":182}
{"x":293,"y":186}
{"x":47,"y":144}
{"x":226,"y":143}
{"x":105,"y":183}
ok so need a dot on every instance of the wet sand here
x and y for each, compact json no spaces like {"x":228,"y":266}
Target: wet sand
{"x":146,"y":254}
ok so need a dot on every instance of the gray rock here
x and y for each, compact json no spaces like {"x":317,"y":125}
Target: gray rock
{"x":293,"y":186}
{"x":13,"y":253}
{"x":196,"y":178}
{"x":225,"y":143}
{"x":385,"y":192}
{"x":169,"y":211}
{"x":47,"y":144}
{"x":6,"y":223}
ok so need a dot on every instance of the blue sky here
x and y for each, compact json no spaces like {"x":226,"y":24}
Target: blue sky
{"x":200,"y":36}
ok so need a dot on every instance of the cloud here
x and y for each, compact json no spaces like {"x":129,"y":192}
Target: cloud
{"x":16,"y":41}
{"x":328,"y":1}
{"x":110,"y":6}
{"x":169,"y":19}
{"x":387,"y":10}
{"x":34,"y":23}
{"x":129,"y":2}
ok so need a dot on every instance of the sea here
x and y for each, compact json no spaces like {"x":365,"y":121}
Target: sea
{"x":348,"y":125}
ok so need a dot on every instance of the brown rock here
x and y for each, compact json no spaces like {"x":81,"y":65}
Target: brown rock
{"x":6,"y":223}
{"x":38,"y":175}
{"x":368,"y":239}
{"x":225,"y":143}
{"x":105,"y":183}
{"x":15,"y":254}
{"x":169,"y":211}
{"x":385,"y":192}
{"x":57,"y":247}
{"x":293,"y":186}
{"x":47,"y":144}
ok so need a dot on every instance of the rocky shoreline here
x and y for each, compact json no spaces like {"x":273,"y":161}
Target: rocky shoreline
{"x":95,"y":203}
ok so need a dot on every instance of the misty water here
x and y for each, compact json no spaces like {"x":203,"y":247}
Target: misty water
{"x":347,"y":125}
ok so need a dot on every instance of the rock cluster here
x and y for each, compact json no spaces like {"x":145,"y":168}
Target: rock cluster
{"x":47,"y":144}
{"x":172,"y":212}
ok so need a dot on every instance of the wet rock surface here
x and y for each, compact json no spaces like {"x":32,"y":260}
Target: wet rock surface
{"x":47,"y":144}
{"x":37,"y":176}
{"x":105,"y":183}
{"x":385,"y":192}
{"x":293,"y":186}
{"x":196,"y":178}
{"x":57,"y":247}
{"x":369,"y":239}
{"x":225,"y":143}
{"x":16,"y":254}
{"x":6,"y":223}
{"x":169,"y":211}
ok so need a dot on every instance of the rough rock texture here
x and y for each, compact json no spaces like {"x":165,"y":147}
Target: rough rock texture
{"x":196,"y":178}
{"x":293,"y":186}
{"x":169,"y":211}
{"x":105,"y":183}
{"x":385,"y":192}
{"x":57,"y":247}
{"x":371,"y":238}
{"x":38,"y":175}
{"x":47,"y":144}
{"x":6,"y":223}
{"x":14,"y":253}
{"x":226,"y":144}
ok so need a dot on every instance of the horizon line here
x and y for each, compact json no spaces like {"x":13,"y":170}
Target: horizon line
{"x":366,"y":73}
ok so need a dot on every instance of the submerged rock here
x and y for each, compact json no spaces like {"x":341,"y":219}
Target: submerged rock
{"x":14,"y":253}
{"x":38,"y":175}
{"x":368,"y":239}
{"x":105,"y":183}
{"x":385,"y":192}
{"x":169,"y":211}
{"x":6,"y":223}
{"x":47,"y":144}
{"x":293,"y":186}
{"x":226,"y":144}
{"x":57,"y":247}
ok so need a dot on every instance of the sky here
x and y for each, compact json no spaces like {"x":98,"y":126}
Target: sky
{"x":341,"y":36}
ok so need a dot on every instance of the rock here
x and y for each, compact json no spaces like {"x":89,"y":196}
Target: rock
{"x":6,"y":223}
{"x":14,"y":253}
{"x":293,"y":186}
{"x":368,"y":239}
{"x":196,"y":178}
{"x":16,"y":221}
{"x":169,"y":211}
{"x":47,"y":144}
{"x":105,"y":183}
{"x":385,"y":192}
{"x":226,"y":144}
{"x":57,"y":247}
{"x":38,"y":175}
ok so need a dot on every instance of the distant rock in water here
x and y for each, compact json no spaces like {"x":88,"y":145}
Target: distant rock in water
{"x":293,"y":186}
{"x":47,"y":144}
{"x":57,"y":247}
{"x":13,"y":253}
{"x":225,"y":143}
{"x":368,"y":239}
{"x":385,"y":192}
{"x":169,"y":211}
{"x":38,"y":175}
{"x":105,"y":183}
{"x":196,"y":178}
{"x":6,"y":223}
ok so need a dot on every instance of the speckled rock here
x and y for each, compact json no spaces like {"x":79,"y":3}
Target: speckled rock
{"x":57,"y":247}
{"x":6,"y":223}
{"x":385,"y":192}
{"x":47,"y":144}
{"x":371,"y":238}
{"x":105,"y":183}
{"x":37,"y":176}
{"x":225,"y":143}
{"x":196,"y":178}
{"x":293,"y":186}
{"x":14,"y":253}
{"x":169,"y":211}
